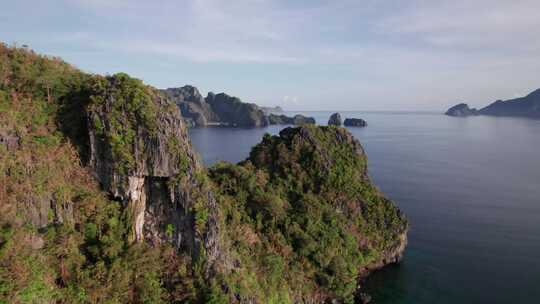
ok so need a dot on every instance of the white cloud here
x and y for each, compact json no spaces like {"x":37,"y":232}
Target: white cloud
{"x":398,"y":53}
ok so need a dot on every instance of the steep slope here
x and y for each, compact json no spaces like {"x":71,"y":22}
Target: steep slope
{"x":528,"y":106}
{"x":303,"y":218}
{"x":63,"y":239}
{"x":141,"y":154}
{"x":220,"y":109}
{"x":233,"y":112}
{"x":192,"y":105}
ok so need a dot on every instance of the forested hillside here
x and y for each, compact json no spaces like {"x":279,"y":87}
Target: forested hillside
{"x":103,"y":200}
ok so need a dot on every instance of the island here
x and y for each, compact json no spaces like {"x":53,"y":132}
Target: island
{"x":296,"y":120}
{"x":106,"y":201}
{"x":354,"y":122}
{"x":461,"y":110}
{"x":334,"y":120}
{"x":216,"y":109}
{"x":527,"y":106}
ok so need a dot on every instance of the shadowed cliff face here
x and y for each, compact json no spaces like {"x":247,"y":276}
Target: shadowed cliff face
{"x":142,"y":156}
{"x":194,"y":108}
{"x":234,"y":112}
{"x":220,"y":109}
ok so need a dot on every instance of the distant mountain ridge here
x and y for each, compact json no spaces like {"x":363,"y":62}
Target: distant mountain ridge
{"x":229,"y":111}
{"x":527,"y":106}
{"x":215,"y":109}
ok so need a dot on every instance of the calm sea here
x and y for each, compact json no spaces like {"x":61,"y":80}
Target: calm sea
{"x":470,"y":188}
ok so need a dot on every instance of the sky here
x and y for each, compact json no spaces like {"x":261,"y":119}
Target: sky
{"x":365,"y":55}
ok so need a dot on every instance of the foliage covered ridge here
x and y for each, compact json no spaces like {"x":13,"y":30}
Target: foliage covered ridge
{"x":62,"y":238}
{"x":302,"y":210}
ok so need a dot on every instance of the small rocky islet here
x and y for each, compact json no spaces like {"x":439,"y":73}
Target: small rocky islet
{"x":105,"y":200}
{"x":335,"y":120}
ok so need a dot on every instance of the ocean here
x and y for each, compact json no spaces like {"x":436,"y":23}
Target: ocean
{"x":470,"y":188}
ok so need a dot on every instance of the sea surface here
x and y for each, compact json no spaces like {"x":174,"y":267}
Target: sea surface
{"x":470,"y":188}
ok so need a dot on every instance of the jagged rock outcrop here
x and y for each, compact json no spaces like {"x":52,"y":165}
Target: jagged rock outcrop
{"x":528,"y":106}
{"x":334,"y":120}
{"x":297,"y":120}
{"x":144,"y":158}
{"x":461,"y":110}
{"x":194,"y":108}
{"x":216,"y":110}
{"x":354,"y":122}
{"x":233,"y":112}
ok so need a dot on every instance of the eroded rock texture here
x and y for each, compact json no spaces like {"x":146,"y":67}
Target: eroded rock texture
{"x":141,"y":154}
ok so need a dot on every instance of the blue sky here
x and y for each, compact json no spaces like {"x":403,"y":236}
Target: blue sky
{"x":301,"y":55}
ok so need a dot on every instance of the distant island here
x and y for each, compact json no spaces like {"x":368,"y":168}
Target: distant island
{"x":461,"y":110}
{"x":227,"y":111}
{"x":527,"y":106}
{"x":335,"y":120}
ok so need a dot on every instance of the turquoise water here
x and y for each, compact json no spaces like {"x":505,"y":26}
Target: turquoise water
{"x":470,"y":188}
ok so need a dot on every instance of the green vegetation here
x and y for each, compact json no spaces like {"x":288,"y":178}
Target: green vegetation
{"x":302,"y":216}
{"x":61,"y":239}
{"x":132,"y":110}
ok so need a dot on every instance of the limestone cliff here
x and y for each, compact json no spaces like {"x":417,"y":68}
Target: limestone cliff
{"x":334,"y":120}
{"x":195,"y":110}
{"x":141,"y":153}
{"x":216,"y":109}
{"x":233,"y":112}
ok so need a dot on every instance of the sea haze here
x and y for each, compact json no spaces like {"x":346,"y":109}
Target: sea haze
{"x":470,"y":188}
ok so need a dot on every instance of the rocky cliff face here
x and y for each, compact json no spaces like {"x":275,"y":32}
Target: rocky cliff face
{"x":233,"y":112}
{"x":220,"y":109}
{"x":141,"y":153}
{"x":334,"y":120}
{"x":194,"y":108}
{"x":461,"y":110}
